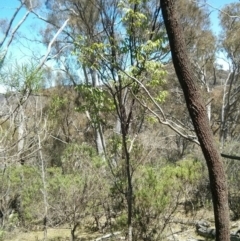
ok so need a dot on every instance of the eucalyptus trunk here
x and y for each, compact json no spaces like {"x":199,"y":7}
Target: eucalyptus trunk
{"x":198,"y":113}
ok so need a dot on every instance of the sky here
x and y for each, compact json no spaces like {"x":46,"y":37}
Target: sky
{"x":27,"y":29}
{"x":213,"y":6}
{"x":22,"y":50}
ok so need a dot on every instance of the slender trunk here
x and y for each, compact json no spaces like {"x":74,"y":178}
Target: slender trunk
{"x":197,"y":111}
{"x":122,"y":126}
{"x":222,"y":127}
{"x":100,"y":141}
{"x":85,"y":75}
{"x":99,"y":137}
{"x":223,"y":112}
{"x":94,"y":77}
{"x":127,"y":170}
{"x":209,"y":105}
{"x":129,"y":190}
{"x":21,"y":126}
{"x":44,"y":191}
{"x":73,"y":230}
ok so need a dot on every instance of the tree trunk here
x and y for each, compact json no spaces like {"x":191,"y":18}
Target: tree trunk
{"x":199,"y":118}
{"x":99,"y":137}
{"x":44,"y":191}
{"x":21,"y":128}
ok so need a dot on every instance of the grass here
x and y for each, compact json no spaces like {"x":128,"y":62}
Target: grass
{"x":60,"y":234}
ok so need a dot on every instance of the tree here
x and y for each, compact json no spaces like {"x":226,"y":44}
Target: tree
{"x":106,"y":45}
{"x":200,"y":120}
{"x":9,"y":33}
{"x":201,"y":45}
{"x":22,"y":81}
{"x":120,"y":44}
{"x":229,"y":118}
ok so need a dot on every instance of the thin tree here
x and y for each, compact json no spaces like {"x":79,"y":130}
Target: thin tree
{"x":199,"y":117}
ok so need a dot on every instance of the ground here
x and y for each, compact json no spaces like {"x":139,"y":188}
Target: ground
{"x":182,"y":228}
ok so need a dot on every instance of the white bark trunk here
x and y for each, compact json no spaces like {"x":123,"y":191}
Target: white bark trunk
{"x":44,"y":190}
{"x":21,"y":130}
{"x":130,"y":233}
{"x":99,"y":137}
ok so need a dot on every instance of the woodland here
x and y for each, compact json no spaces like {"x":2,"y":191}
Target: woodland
{"x":104,"y":139}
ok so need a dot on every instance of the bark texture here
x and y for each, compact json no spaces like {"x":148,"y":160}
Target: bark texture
{"x":197,"y":111}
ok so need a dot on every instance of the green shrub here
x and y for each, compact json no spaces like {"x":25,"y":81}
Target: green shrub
{"x":157,"y":193}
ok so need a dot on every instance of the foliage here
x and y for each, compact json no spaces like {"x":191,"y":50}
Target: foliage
{"x":96,"y":100}
{"x":77,"y":156}
{"x":57,"y":105}
{"x":169,"y":185}
{"x":22,"y":78}
{"x":73,"y":184}
{"x":232,"y":170}
{"x":23,"y":182}
{"x":109,"y":52}
{"x":2,"y":233}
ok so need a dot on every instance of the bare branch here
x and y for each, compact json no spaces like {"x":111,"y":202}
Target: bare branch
{"x":50,"y":45}
{"x":162,"y":120}
{"x":10,"y":24}
{"x":17,"y":27}
{"x":230,"y":157}
{"x":166,"y":122}
{"x":219,"y":10}
{"x":47,"y":21}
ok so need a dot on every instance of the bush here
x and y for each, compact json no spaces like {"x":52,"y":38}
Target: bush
{"x":157,"y":194}
{"x":2,"y":234}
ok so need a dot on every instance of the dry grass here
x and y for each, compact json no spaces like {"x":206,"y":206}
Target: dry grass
{"x":61,"y":234}
{"x":181,"y":228}
{"x":54,"y":234}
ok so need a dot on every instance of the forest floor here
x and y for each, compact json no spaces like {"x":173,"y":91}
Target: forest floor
{"x":181,"y":228}
{"x":53,"y":234}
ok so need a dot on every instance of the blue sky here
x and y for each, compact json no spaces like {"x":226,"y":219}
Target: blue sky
{"x":214,"y":15}
{"x":24,"y":49}
{"x":20,"y":47}
{"x":219,"y":3}
{"x":7,"y":9}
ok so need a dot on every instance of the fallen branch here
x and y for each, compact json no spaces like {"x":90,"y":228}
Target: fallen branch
{"x":109,"y":235}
